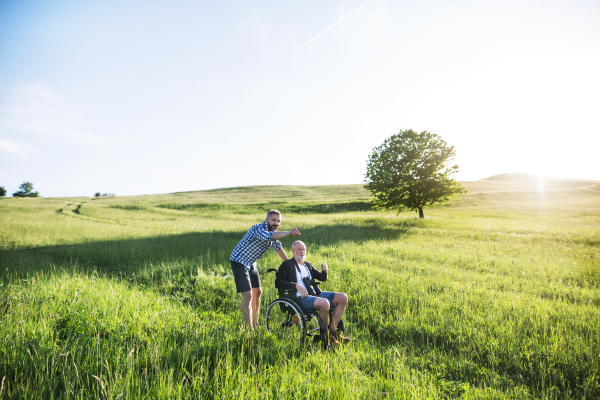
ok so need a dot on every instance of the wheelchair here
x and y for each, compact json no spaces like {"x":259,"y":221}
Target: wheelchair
{"x":290,"y":322}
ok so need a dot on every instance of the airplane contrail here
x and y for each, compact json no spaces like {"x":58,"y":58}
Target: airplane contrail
{"x":346,"y":16}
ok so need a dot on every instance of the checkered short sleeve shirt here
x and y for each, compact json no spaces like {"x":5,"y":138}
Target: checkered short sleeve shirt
{"x":254,"y":244}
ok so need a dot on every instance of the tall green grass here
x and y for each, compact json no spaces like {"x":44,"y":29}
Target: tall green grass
{"x":493,"y":296}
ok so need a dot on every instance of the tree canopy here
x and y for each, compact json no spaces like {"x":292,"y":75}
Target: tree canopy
{"x":26,"y":190}
{"x":411,"y":170}
{"x":2,"y":191}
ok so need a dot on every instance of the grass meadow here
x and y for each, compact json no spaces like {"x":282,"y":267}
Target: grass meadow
{"x":496,"y":295}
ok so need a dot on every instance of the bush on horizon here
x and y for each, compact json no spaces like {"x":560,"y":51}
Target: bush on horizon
{"x":26,"y":190}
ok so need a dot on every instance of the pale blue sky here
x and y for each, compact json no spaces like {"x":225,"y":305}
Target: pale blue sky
{"x":142,"y":97}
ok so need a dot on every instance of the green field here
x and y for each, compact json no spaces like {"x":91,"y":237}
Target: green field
{"x":496,"y":295}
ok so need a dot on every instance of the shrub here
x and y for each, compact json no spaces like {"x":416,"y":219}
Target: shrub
{"x":26,"y":190}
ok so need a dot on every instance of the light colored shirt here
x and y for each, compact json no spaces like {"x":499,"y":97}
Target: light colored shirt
{"x":304,"y":272}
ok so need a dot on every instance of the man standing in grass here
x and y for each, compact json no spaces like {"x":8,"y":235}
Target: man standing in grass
{"x":245,"y":257}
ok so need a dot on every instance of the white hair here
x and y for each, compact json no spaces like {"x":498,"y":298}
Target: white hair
{"x":294,"y":244}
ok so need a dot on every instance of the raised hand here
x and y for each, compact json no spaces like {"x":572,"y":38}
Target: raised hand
{"x":295,"y":231}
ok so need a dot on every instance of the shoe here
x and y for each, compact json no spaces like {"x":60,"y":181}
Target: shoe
{"x":339,"y":338}
{"x":333,"y":343}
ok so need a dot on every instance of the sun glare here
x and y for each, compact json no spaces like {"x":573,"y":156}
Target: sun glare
{"x":540,"y":183}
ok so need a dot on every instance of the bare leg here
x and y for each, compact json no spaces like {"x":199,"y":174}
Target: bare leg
{"x":256,"y":293}
{"x":246,"y":301}
{"x":340,"y":300}
{"x":323,"y":306}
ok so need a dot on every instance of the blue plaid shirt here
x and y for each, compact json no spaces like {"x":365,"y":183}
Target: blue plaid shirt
{"x":254,"y":244}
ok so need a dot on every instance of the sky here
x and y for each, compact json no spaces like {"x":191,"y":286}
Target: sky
{"x":142,"y":97}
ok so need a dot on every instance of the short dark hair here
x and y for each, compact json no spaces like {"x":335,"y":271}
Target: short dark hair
{"x":273,"y":212}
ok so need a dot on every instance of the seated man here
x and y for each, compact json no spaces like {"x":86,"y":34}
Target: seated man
{"x":290,"y":275}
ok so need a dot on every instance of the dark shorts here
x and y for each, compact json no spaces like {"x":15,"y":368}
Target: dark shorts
{"x":244,"y":280}
{"x":309,"y":301}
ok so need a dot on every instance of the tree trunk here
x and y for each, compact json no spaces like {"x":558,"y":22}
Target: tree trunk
{"x":421,"y":212}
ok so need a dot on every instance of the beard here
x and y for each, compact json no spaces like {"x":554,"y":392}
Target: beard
{"x":271,"y":227}
{"x":301,"y":258}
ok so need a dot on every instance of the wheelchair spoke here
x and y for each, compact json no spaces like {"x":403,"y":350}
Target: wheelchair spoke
{"x":285,"y":321}
{"x":314,"y":327}
{"x":312,"y":331}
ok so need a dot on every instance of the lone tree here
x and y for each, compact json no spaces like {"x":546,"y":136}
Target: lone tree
{"x":411,"y":170}
{"x":26,"y":190}
{"x":2,"y":191}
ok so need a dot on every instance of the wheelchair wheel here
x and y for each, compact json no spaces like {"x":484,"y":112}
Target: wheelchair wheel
{"x":315,"y":329}
{"x":285,"y":320}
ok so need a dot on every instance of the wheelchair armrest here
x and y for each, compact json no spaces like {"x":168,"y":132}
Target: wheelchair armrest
{"x":287,"y":293}
{"x":271,"y":270}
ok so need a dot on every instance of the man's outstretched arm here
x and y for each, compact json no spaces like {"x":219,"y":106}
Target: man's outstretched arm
{"x":281,"y":235}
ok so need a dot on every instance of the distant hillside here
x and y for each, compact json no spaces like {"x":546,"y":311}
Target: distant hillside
{"x":513,"y":177}
{"x":517,"y":182}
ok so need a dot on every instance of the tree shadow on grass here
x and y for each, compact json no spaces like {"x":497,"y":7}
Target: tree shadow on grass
{"x":287,"y":208}
{"x":201,"y":248}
